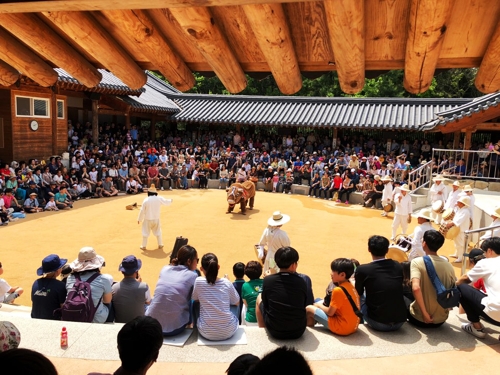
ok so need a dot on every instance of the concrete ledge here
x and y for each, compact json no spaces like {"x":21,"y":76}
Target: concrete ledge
{"x":300,"y":189}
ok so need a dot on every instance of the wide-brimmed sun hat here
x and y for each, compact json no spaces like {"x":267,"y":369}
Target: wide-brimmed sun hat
{"x":278,"y":219}
{"x":152,"y":189}
{"x":467,"y":188}
{"x":51,"y":263}
{"x":386,"y":178}
{"x":405,"y":187}
{"x":465,"y":201}
{"x":495,"y":212}
{"x":87,"y":260}
{"x":438,"y":178}
{"x":456,"y":183}
{"x":130,"y":264}
{"x":425,"y":214}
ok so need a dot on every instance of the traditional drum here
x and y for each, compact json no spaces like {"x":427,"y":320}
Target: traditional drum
{"x":388,"y":207}
{"x":448,"y":214}
{"x":438,"y":207}
{"x":404,"y":242}
{"x":395,"y":253}
{"x":448,"y":233}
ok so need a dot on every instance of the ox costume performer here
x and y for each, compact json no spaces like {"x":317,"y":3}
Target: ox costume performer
{"x":438,"y":193}
{"x":403,"y":210}
{"x":150,"y":216}
{"x":274,"y":238}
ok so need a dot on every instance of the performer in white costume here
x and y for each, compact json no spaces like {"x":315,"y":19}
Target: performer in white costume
{"x":274,"y":238}
{"x":403,"y":210}
{"x":424,"y":220}
{"x":438,"y":194}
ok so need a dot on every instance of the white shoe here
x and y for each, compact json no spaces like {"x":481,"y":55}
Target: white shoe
{"x":170,"y":188}
{"x":142,"y":248}
{"x":162,"y":188}
{"x":469,"y":328}
{"x":289,"y":192}
{"x":457,"y":260}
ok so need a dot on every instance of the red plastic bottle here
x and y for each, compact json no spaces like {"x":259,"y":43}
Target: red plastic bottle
{"x":64,"y":338}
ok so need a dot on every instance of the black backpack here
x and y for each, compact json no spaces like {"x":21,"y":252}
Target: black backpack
{"x":79,"y":306}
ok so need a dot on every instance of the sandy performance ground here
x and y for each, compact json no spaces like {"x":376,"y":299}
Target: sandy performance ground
{"x":320,"y":230}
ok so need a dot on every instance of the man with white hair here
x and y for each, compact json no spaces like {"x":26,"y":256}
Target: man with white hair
{"x":462,"y":222}
{"x":438,"y":194}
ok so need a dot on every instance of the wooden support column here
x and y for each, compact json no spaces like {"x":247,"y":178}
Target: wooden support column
{"x":428,"y":24}
{"x":488,"y":75}
{"x":335,"y":136}
{"x":201,"y":29}
{"x":93,"y":38}
{"x":456,"y":139}
{"x":468,"y":138}
{"x":127,"y":119}
{"x":95,"y":121}
{"x":24,"y":60}
{"x":8,"y":75}
{"x":346,"y":25}
{"x":41,"y":38}
{"x":143,"y":31}
{"x":269,"y":25}
{"x":53,"y":113}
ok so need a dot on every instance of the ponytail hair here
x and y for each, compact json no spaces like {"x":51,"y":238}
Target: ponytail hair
{"x":210,"y":265}
{"x":184,"y":254}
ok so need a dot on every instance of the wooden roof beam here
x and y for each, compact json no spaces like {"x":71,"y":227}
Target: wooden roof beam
{"x":25,"y":60}
{"x":488,"y":75}
{"x":144,"y":32}
{"x":465,"y":122}
{"x":346,"y":25}
{"x":427,"y":27}
{"x":201,"y":29}
{"x":91,"y":36}
{"x":8,"y":75}
{"x":41,"y":38}
{"x":269,"y":25}
{"x":96,"y":5}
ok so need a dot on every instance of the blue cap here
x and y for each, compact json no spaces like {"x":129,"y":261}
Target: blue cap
{"x":51,"y":263}
{"x":130,"y":264}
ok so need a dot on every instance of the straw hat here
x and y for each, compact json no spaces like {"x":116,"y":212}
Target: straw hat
{"x":152,"y":189}
{"x":467,"y":188}
{"x":438,"y":178}
{"x":465,"y":201}
{"x":405,"y":187}
{"x":278,"y":219}
{"x":87,"y":260}
{"x":425,"y":214}
{"x":456,"y":183}
{"x":496,"y":212}
{"x":377,"y":177}
{"x":386,"y":178}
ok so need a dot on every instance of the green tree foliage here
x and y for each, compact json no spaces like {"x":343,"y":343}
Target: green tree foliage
{"x":450,"y":83}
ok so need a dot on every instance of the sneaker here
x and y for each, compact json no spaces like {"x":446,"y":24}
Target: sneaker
{"x":459,"y":260}
{"x":289,"y":192}
{"x":346,"y":202}
{"x":162,"y":188}
{"x":329,"y":199}
{"x":469,"y":328}
{"x":170,"y":188}
{"x":383,"y":214}
{"x":338,"y":200}
{"x":314,"y":196}
{"x":283,"y":192}
{"x":142,"y":248}
{"x":309,"y":196}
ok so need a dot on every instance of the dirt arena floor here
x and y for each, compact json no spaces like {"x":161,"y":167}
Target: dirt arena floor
{"x":320,"y":230}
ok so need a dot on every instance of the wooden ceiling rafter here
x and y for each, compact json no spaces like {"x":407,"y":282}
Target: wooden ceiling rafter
{"x":345,"y":19}
{"x":271,"y":29}
{"x":198,"y":24}
{"x":470,"y":120}
{"x":25,"y":60}
{"x":8,"y":75}
{"x":139,"y":27}
{"x":90,"y":35}
{"x":38,"y":36}
{"x":427,"y":27}
{"x":488,"y":75}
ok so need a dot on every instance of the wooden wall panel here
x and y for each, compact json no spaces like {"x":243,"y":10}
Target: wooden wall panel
{"x":5,"y":115}
{"x":62,"y":129}
{"x":26,"y":143}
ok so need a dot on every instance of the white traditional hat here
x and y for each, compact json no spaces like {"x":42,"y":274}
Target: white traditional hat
{"x":387,"y":178}
{"x":405,"y":187}
{"x":496,"y":212}
{"x":152,"y":189}
{"x":377,"y":177}
{"x":438,"y":178}
{"x":467,"y":188}
{"x":465,"y":201}
{"x":425,"y":214}
{"x":278,"y":219}
{"x":456,"y":183}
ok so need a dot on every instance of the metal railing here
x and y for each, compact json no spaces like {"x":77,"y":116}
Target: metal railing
{"x":466,"y":164}
{"x":420,"y":177}
{"x":466,"y":245}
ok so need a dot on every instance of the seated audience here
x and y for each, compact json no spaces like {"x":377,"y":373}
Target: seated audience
{"x":171,"y":304}
{"x":281,"y":308}
{"x":250,"y":290}
{"x":130,"y":295}
{"x":477,"y":304}
{"x":31,"y":204}
{"x":284,"y":360}
{"x":48,"y":293}
{"x":380,"y":285}
{"x":425,"y":311}
{"x":10,"y":337}
{"x":139,"y":343}
{"x":8,"y":293}
{"x":239,"y":273}
{"x":216,"y":295}
{"x":339,"y":316}
{"x":241,"y":364}
{"x":26,"y":362}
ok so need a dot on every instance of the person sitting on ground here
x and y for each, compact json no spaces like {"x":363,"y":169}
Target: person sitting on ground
{"x":239,"y":273}
{"x":425,"y":311}
{"x":130,"y":295}
{"x":171,"y":304}
{"x":132,"y":186}
{"x":26,"y":362}
{"x":8,"y":293}
{"x":108,"y":189}
{"x":139,"y":344}
{"x":51,"y":205}
{"x":31,"y":204}
{"x":216,"y":295}
{"x":83,"y":191}
{"x":62,"y":200}
{"x":10,"y":337}
{"x":85,"y":266}
{"x":250,"y":290}
{"x":281,"y":308}
{"x":380,"y":285}
{"x":424,"y":224}
{"x":479,"y":305}
{"x":339,"y":316}
{"x":48,"y":293}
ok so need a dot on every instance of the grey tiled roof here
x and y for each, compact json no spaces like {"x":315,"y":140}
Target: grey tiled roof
{"x":153,"y":97}
{"x":476,"y":105}
{"x":109,"y":83}
{"x":379,"y":113}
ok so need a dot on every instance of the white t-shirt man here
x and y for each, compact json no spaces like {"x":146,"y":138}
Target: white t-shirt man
{"x":489,"y":270}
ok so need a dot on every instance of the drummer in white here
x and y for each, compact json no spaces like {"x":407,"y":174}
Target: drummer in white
{"x":438,"y":194}
{"x":452,"y":199}
{"x":495,"y":215}
{"x":387,"y":192}
{"x":462,"y":222}
{"x":467,"y":192}
{"x":403,"y":210}
{"x":424,"y":224}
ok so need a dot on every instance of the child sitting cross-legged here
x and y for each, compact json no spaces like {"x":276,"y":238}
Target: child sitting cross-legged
{"x":338,"y":316}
